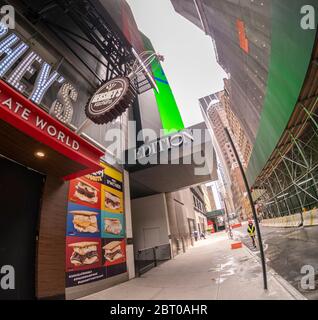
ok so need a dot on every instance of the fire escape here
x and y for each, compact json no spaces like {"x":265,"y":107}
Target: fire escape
{"x":95,"y":32}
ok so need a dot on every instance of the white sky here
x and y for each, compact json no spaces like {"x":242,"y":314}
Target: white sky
{"x":190,"y":63}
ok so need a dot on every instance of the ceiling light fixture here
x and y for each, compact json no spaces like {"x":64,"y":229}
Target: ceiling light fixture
{"x":40,"y":154}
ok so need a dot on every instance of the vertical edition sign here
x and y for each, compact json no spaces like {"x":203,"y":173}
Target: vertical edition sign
{"x":95,"y":233}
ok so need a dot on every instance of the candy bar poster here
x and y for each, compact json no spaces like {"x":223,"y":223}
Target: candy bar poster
{"x":95,"y":227}
{"x":83,"y":221}
{"x":85,"y":192}
{"x":114,"y":251}
{"x":112,"y":225}
{"x":112,"y":200}
{"x":111,"y":191}
{"x":83,"y":253}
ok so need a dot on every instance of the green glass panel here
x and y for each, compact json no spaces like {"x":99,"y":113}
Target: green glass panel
{"x":168,"y":109}
{"x":291,"y":49}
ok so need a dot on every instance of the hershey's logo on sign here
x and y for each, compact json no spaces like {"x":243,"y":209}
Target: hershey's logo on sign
{"x":110,"y":100}
{"x":113,"y":183}
{"x":96,"y":176}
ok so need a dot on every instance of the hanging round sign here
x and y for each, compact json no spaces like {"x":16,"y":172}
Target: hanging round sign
{"x":110,"y":100}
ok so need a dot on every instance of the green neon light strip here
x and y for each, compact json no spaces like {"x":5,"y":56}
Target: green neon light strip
{"x":168,"y":109}
{"x":291,"y":51}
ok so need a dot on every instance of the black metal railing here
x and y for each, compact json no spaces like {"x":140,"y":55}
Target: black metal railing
{"x":146,"y":259}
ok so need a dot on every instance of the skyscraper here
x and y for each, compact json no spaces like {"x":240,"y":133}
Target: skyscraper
{"x":215,"y":107}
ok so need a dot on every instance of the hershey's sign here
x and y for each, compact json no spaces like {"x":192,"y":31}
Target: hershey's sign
{"x":40,"y":121}
{"x":12,"y":49}
{"x":110,"y":100}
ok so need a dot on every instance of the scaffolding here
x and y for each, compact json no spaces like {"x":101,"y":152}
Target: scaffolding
{"x":289,"y":180}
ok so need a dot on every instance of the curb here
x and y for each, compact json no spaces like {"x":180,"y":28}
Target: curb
{"x":280,"y":280}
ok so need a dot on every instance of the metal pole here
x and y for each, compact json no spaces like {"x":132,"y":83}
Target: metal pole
{"x":259,"y":236}
{"x":228,"y":218}
{"x":305,"y":160}
{"x":282,"y":190}
{"x":296,"y":190}
{"x":274,"y":196}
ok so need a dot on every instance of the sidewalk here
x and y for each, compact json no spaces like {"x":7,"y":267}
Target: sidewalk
{"x":209,"y":271}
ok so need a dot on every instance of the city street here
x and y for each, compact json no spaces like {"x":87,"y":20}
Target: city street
{"x":286,"y":251}
{"x":134,"y":133}
{"x":210,"y":270}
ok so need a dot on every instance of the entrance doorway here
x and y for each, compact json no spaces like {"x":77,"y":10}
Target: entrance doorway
{"x":20,"y":199}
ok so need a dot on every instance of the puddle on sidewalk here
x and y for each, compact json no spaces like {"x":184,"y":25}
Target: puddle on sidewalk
{"x":244,"y":259}
{"x":234,"y":266}
{"x":215,"y":269}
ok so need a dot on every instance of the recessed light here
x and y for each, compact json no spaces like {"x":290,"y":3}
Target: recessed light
{"x":40,"y":154}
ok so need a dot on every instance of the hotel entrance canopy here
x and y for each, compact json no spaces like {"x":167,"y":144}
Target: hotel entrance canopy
{"x":173,"y":162}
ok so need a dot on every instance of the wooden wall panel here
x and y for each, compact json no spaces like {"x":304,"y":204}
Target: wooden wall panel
{"x":18,"y":146}
{"x":51,"y":243}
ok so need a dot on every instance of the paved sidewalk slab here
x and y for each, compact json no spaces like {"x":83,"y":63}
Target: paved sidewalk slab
{"x":209,"y":271}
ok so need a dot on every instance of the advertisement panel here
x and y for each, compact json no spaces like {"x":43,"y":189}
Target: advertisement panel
{"x":95,"y":230}
{"x":112,"y":200}
{"x":114,"y":251}
{"x":82,"y":221}
{"x":83,"y":253}
{"x":85,"y":192}
{"x":112,"y":225}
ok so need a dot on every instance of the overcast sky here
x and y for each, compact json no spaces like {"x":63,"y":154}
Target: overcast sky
{"x":190,"y":63}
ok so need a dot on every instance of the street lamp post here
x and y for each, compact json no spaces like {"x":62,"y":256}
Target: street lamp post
{"x":228,"y":220}
{"x":260,"y":243}
{"x":225,"y":207}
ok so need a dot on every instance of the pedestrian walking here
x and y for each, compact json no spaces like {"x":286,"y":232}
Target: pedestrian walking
{"x":251,"y":231}
{"x":202,"y":236}
{"x":229,"y":231}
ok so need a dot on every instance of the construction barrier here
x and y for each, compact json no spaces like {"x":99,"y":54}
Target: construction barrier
{"x":236,"y":225}
{"x":236,"y":245}
{"x":291,"y":221}
{"x":311,"y":218}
